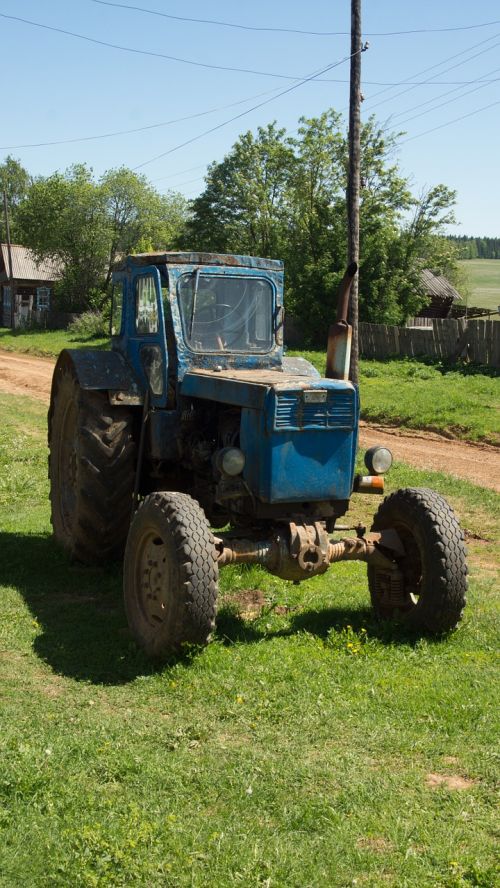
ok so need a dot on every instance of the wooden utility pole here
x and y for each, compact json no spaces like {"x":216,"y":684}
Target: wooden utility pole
{"x":9,"y":254}
{"x":354,"y":177}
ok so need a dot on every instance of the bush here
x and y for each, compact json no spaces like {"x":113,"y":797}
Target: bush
{"x":90,"y":324}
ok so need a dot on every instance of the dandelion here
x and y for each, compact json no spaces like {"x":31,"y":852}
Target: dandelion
{"x":240,"y":699}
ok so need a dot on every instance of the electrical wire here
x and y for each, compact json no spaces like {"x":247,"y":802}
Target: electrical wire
{"x":448,"y":102}
{"x":249,"y":110}
{"x":139,"y":129}
{"x":449,"y":122}
{"x":261,"y":28}
{"x":430,"y":68}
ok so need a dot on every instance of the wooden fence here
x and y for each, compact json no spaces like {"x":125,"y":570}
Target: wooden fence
{"x":477,"y":340}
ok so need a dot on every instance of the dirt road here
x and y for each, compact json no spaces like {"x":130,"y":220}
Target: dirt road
{"x":29,"y":375}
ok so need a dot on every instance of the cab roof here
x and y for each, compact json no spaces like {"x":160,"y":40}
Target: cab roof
{"x":171,"y":258}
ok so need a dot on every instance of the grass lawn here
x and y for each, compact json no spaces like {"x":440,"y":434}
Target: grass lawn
{"x":46,"y":343}
{"x":457,"y":401}
{"x":484,"y":281}
{"x":306,"y":746}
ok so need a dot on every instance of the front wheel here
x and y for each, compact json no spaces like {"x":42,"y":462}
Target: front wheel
{"x":170,"y":574}
{"x":428,"y":591}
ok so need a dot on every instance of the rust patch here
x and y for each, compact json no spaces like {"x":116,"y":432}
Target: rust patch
{"x":450,"y":781}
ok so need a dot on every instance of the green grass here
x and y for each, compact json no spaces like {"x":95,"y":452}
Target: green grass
{"x":460,"y":401}
{"x":484,"y":281}
{"x":46,"y":343}
{"x":274,"y":757}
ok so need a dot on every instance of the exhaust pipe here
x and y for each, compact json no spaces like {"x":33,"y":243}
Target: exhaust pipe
{"x":338,"y":354}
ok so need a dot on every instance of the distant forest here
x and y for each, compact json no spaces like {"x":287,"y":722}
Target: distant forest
{"x":477,"y":247}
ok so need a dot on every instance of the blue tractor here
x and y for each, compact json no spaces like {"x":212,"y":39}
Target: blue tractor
{"x":194,"y":420}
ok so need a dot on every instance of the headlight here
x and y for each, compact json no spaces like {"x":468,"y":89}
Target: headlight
{"x":230,"y":461}
{"x":378,"y":460}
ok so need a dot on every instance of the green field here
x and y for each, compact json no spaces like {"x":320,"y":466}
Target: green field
{"x":409,"y":394}
{"x":484,"y":282}
{"x":306,"y":746}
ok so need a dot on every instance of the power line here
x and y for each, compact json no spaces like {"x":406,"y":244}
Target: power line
{"x":248,"y":111}
{"x":449,"y":122}
{"x":435,"y":107}
{"x":430,"y":68}
{"x":179,"y":173}
{"x":139,"y":129}
{"x":146,"y":52}
{"x":261,"y":28}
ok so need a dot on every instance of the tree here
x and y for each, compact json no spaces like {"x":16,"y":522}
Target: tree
{"x":244,"y":205}
{"x":15,"y":181}
{"x":86,"y":225}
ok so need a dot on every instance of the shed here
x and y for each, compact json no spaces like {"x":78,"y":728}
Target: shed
{"x":26,"y":289}
{"x":441,"y":294}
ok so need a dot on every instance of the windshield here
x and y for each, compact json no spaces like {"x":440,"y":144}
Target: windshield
{"x":226,"y":313}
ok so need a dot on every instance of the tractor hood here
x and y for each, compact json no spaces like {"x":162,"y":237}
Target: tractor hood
{"x":290,"y":400}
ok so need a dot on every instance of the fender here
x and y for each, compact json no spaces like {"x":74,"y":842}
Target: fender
{"x":98,"y":370}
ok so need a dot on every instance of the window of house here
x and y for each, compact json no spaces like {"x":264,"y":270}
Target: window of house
{"x":43,"y":298}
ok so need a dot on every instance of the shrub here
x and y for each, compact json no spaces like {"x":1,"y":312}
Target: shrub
{"x":90,"y":324}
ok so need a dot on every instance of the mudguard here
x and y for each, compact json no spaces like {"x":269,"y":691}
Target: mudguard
{"x":100,"y":371}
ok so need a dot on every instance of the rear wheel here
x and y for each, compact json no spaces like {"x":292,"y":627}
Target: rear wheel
{"x":428,"y":591}
{"x":170,"y":574}
{"x":91,"y":470}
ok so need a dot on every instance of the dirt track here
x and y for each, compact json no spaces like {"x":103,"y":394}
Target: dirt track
{"x":29,"y":375}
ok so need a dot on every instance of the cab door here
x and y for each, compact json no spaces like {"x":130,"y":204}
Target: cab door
{"x":146,"y":344}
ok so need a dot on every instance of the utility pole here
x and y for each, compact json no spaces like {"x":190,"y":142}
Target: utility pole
{"x":9,"y":254}
{"x":354,"y":176}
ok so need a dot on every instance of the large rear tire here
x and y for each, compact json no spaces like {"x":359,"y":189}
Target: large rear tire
{"x":170,"y":574}
{"x":91,"y":470}
{"x":429,"y":595}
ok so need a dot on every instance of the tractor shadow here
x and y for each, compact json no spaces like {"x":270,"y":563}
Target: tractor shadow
{"x":233,"y":628}
{"x":84,"y":633}
{"x":79,"y":609}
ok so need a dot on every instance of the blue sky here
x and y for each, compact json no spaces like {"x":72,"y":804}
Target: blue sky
{"x":57,"y":87}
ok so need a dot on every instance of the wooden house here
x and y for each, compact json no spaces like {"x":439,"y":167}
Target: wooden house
{"x":26,"y":288}
{"x":441,"y":295}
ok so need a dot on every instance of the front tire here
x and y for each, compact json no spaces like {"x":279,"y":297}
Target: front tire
{"x":430,"y":593}
{"x":170,"y":575}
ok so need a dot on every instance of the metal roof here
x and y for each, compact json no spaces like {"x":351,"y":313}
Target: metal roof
{"x":437,"y":285}
{"x":178,"y":258}
{"x":26,"y":268}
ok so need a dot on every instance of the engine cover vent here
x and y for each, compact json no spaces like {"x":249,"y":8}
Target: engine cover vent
{"x":294,"y":412}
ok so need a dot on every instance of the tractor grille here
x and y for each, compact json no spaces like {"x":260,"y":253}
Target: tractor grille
{"x":292,"y":413}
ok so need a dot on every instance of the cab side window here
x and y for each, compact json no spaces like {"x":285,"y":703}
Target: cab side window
{"x":116,"y":309}
{"x":146,"y":308}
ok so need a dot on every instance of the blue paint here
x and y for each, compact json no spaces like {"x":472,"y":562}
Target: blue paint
{"x":298,"y":448}
{"x":300,"y":463}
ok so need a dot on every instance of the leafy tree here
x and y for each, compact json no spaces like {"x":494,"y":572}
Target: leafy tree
{"x":244,"y":205}
{"x":274,"y":195}
{"x":15,"y":181}
{"x":86,"y":225}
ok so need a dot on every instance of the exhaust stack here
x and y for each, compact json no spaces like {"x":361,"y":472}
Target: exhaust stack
{"x":338,"y":354}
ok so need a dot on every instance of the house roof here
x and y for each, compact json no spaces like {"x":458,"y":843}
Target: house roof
{"x":436,"y":285}
{"x":26,"y":268}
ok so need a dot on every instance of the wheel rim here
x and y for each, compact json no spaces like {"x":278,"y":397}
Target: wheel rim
{"x":68,"y":467}
{"x":398,"y":592}
{"x":153,"y":581}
